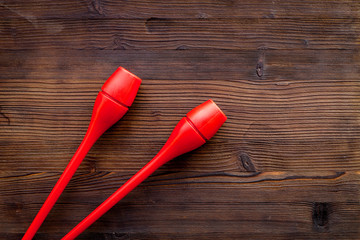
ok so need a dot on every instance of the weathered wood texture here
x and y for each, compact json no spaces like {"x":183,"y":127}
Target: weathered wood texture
{"x":286,"y":164}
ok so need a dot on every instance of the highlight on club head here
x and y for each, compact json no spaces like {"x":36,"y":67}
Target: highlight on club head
{"x":207,"y":118}
{"x":111,"y":104}
{"x":116,"y":95}
{"x":123,"y":86}
{"x":198,"y":126}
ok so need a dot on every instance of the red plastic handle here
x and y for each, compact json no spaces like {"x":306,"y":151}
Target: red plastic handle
{"x":191,"y":132}
{"x":111,"y":104}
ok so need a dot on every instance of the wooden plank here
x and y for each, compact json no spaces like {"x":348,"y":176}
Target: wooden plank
{"x":74,"y":68}
{"x":155,"y":33}
{"x":45,"y":9}
{"x":169,"y":204}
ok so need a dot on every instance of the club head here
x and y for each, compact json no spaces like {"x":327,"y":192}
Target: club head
{"x":199,"y":125}
{"x":112,"y":102}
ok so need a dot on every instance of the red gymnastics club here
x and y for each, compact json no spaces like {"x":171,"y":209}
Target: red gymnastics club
{"x":199,"y":125}
{"x":111,"y":104}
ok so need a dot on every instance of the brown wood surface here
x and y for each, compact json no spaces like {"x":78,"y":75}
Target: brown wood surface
{"x":286,"y":164}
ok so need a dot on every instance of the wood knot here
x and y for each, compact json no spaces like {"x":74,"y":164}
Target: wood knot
{"x":202,"y":15}
{"x":119,"y":43}
{"x":261,"y":62}
{"x":154,"y":24}
{"x":182,"y":47}
{"x":271,"y":15}
{"x":95,"y":7}
{"x":246,"y":162}
{"x":15,"y":208}
{"x":121,"y":236}
{"x":306,"y":42}
{"x":320,"y":215}
{"x":92,"y":165}
{"x":260,"y":68}
{"x":4,"y":117}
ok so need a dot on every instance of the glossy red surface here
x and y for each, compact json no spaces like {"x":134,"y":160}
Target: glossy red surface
{"x":125,"y":90}
{"x":207,"y":126}
{"x":109,"y":107}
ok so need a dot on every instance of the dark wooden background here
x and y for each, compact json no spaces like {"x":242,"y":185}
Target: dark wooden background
{"x":286,"y":164}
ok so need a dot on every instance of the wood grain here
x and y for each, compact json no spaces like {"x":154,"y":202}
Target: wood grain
{"x":201,"y":9}
{"x":321,"y":130}
{"x":89,"y":67}
{"x":286,"y":164}
{"x":157,"y":33}
{"x":172,"y":203}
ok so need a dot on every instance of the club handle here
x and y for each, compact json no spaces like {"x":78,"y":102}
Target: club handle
{"x":184,"y":138}
{"x":60,"y":186}
{"x":106,"y":112}
{"x":139,"y":177}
